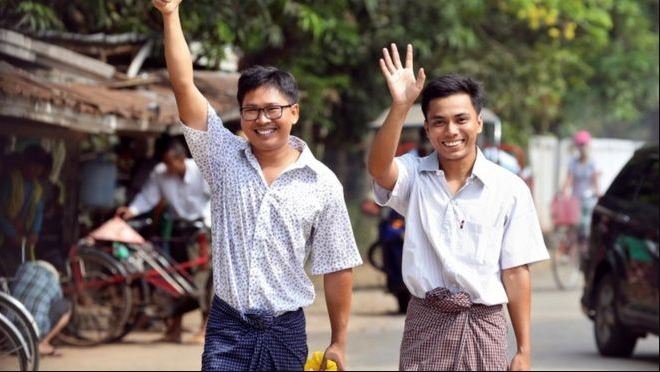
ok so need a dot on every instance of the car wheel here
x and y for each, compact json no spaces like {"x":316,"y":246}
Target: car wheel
{"x":612,"y":338}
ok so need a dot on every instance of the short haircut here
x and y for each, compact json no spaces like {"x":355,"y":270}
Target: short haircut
{"x":258,"y":76}
{"x":177,"y":149}
{"x":448,"y":85}
{"x":35,"y":154}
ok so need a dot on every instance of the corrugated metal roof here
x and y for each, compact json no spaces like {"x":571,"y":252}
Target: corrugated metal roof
{"x":53,"y":85}
{"x":143,"y":107}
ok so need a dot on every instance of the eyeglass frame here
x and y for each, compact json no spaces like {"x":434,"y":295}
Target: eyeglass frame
{"x":263,"y":109}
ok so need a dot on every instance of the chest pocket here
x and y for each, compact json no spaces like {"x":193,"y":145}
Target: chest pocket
{"x":482,"y":244}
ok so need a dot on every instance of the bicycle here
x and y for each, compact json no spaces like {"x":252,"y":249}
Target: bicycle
{"x":565,"y":257}
{"x":21,"y":319}
{"x":25,"y":344}
{"x":14,"y":350}
{"x":112,"y":284}
{"x":567,"y":242}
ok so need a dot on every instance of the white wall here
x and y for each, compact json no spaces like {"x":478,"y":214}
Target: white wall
{"x":549,"y":159}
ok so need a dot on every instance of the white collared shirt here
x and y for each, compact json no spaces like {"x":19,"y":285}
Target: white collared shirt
{"x":263,"y":235}
{"x":189,"y":197}
{"x":463,"y":241}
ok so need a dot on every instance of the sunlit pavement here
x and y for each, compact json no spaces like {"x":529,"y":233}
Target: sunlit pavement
{"x":562,"y":336}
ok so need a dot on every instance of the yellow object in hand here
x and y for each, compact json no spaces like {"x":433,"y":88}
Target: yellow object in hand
{"x":314,"y":363}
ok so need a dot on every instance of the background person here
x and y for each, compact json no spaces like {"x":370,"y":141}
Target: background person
{"x":179,"y":181}
{"x":21,"y":207}
{"x":582,"y":182}
{"x":37,"y":286}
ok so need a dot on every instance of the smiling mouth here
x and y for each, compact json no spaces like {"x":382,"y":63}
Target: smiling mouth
{"x":453,"y":143}
{"x":265,"y":132}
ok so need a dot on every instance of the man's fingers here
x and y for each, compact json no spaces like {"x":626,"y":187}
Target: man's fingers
{"x":395,"y":56}
{"x":383,"y":68}
{"x":388,"y":61}
{"x":409,"y":56}
{"x":421,"y":77}
{"x":324,"y":363}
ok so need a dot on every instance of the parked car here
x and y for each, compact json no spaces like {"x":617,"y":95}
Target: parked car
{"x":620,"y":268}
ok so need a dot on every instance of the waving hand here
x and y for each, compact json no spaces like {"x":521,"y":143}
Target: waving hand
{"x":404,"y":87}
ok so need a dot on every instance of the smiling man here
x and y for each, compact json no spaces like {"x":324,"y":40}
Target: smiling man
{"x":471,"y":228}
{"x":274,"y":207}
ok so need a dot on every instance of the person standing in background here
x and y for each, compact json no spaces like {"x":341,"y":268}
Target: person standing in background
{"x":22,"y":207}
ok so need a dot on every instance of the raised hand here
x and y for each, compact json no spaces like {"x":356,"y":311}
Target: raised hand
{"x":166,"y":6}
{"x":404,"y":87}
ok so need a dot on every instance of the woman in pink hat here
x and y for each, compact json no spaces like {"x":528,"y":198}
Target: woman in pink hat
{"x":582,"y":182}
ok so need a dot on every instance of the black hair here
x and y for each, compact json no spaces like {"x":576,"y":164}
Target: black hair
{"x":35,"y":154}
{"x":257,"y":76}
{"x":447,"y":85}
{"x":177,"y":148}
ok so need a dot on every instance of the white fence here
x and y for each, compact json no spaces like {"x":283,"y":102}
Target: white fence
{"x":549,"y":157}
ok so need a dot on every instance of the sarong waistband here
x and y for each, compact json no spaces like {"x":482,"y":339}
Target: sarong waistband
{"x":442,"y":300}
{"x":258,"y":320}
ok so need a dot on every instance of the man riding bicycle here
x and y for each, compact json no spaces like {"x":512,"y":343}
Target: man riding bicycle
{"x":177,"y":180}
{"x":582,"y":183}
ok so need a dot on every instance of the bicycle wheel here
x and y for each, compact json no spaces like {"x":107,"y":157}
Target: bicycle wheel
{"x":375,"y":256}
{"x":14,"y":352}
{"x":565,"y":258}
{"x":13,"y":310}
{"x":100,"y":296}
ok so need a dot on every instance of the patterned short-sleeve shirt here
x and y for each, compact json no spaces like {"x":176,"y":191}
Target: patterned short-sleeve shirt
{"x":264,"y":234}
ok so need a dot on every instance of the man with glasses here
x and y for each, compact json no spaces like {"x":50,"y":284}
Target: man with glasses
{"x":273,"y":207}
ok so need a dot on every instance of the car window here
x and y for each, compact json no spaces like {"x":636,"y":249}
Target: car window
{"x":648,"y":192}
{"x":626,"y":183}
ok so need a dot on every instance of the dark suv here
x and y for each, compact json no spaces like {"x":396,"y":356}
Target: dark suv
{"x":621,"y":267}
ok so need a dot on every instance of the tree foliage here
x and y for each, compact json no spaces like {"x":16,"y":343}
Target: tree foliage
{"x":547,"y":65}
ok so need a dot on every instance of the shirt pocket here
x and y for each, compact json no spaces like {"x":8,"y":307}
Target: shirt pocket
{"x":483,"y":243}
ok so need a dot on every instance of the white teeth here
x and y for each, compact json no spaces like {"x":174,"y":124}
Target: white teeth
{"x":452,"y":143}
{"x":265,"y":132}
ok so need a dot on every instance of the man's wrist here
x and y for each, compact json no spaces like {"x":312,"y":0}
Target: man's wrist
{"x":339,"y":340}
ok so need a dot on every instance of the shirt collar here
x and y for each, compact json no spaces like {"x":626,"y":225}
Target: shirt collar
{"x":187,"y":177}
{"x":482,"y":168}
{"x":306,"y":158}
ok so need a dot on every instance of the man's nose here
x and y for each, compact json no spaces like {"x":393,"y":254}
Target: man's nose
{"x":452,"y":127}
{"x":262,"y":117}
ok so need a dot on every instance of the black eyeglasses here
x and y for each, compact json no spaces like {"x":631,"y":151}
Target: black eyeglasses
{"x":272,"y":112}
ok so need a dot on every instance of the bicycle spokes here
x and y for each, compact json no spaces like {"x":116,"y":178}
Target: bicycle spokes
{"x":565,"y":258}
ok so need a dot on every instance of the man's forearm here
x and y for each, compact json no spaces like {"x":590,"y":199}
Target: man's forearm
{"x":386,"y":140}
{"x":190,"y":103}
{"x":177,"y":54}
{"x":338,"y":288}
{"x":518,"y":288}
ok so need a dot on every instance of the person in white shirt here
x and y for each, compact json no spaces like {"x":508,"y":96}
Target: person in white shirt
{"x":471,"y":228}
{"x":275,"y":207}
{"x":179,"y":182}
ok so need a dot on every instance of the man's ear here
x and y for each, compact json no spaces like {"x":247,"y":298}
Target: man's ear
{"x":295,"y":112}
{"x":480,"y":122}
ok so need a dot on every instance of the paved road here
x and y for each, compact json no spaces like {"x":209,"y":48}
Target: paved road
{"x":562,"y":338}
